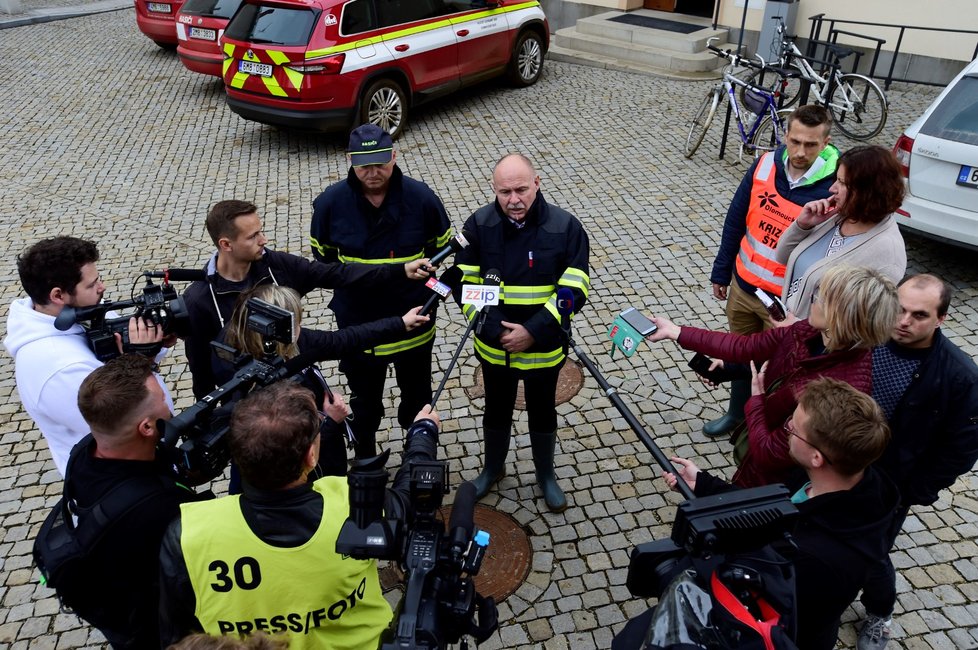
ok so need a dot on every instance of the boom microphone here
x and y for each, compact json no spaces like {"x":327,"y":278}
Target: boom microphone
{"x":461,"y":524}
{"x":179,"y":275}
{"x":493,"y":278}
{"x":441,"y":289}
{"x":455,"y":244}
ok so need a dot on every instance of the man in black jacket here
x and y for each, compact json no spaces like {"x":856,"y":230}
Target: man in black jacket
{"x":537,"y":249}
{"x":928,"y":389}
{"x":846,"y":508}
{"x":242,"y":261}
{"x":377,"y":215}
{"x":118,"y":583}
{"x":266,"y":560}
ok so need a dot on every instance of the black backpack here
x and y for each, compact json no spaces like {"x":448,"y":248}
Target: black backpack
{"x":70,"y":533}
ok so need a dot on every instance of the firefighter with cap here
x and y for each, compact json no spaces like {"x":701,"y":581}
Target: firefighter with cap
{"x":377,"y":215}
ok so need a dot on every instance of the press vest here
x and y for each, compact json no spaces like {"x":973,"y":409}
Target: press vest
{"x":768,"y":216}
{"x":315,"y":596}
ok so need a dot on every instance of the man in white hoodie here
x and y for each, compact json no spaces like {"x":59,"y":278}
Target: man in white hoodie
{"x":50,"y":365}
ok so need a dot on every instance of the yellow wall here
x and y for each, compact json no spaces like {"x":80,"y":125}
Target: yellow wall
{"x":951,"y":14}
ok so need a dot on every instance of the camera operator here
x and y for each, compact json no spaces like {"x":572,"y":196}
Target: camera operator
{"x":51,"y":364}
{"x":242,"y":261}
{"x":846,"y":508}
{"x":115,"y":588}
{"x":266,"y":560}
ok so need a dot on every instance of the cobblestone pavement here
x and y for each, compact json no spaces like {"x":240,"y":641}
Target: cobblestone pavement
{"x":107,"y":137}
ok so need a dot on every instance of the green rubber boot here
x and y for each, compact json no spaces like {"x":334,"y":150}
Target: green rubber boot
{"x":724,"y":425}
{"x":543,"y":445}
{"x":496,"y":450}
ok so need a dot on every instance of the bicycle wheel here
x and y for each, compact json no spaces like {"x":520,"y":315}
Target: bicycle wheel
{"x":858,"y":106}
{"x":701,"y":123}
{"x":769,"y":134}
{"x":789,"y":87}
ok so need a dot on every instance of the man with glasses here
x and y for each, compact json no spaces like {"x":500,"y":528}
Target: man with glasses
{"x":266,"y":560}
{"x":378,"y":215}
{"x":846,"y":509}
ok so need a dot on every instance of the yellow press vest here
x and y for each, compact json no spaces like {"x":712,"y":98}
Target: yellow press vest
{"x":319,"y":599}
{"x":768,"y":216}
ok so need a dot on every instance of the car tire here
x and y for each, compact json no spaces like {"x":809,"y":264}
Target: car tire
{"x":526,"y":64}
{"x":384,"y":103}
{"x":169,"y":47}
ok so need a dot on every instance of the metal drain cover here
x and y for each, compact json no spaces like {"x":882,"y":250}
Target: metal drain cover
{"x":569,"y":384}
{"x":506,"y":564}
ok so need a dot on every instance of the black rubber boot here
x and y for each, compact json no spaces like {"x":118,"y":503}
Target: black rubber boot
{"x":496,"y":450}
{"x":724,"y":426}
{"x":543,"y":445}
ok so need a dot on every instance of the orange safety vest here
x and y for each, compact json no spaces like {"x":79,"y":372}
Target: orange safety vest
{"x":768,"y":216}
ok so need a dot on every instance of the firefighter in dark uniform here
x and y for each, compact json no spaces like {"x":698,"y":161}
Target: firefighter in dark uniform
{"x":537,"y":248}
{"x":379,"y":216}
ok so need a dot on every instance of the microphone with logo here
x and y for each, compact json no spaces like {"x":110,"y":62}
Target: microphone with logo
{"x":455,"y":244}
{"x":441,"y":289}
{"x":482,"y":296}
{"x":565,"y":307}
{"x":492,"y":278}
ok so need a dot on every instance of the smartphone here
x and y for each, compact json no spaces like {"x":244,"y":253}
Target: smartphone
{"x":700,"y":363}
{"x":772,"y":304}
{"x":639,"y":322}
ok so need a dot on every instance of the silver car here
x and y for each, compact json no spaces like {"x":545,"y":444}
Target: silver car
{"x":939,"y":156}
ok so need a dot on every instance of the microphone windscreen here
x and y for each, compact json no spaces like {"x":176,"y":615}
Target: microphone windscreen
{"x":463,"y":509}
{"x":493,"y":277}
{"x":184,"y":275}
{"x":65,"y":319}
{"x":452,"y":277}
{"x":565,"y":301}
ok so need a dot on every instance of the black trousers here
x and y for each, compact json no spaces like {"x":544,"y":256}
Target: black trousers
{"x":879,"y":592}
{"x":366,"y":374}
{"x":539,"y":388}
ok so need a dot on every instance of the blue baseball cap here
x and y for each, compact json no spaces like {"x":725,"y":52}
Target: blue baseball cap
{"x":370,"y":145}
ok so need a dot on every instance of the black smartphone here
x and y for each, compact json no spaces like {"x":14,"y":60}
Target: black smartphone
{"x":638,"y":321}
{"x":700,"y":363}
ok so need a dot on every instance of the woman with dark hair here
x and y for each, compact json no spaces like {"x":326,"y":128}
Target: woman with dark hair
{"x":854,"y":226}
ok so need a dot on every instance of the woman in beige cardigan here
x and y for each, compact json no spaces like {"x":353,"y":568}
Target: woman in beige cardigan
{"x":854,"y":226}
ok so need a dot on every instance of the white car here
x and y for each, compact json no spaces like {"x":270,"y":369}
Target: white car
{"x":939,"y":157}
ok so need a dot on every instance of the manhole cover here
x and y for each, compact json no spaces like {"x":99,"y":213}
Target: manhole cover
{"x":506,"y":564}
{"x":569,"y":384}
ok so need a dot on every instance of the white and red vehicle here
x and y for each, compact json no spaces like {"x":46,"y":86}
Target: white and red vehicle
{"x":328,"y":64}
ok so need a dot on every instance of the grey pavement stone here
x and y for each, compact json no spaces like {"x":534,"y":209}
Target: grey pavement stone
{"x":136,"y":153}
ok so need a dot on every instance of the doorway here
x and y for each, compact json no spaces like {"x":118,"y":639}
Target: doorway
{"x":701,"y":8}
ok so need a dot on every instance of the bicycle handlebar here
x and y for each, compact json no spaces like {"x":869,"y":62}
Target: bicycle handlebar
{"x":736,"y":59}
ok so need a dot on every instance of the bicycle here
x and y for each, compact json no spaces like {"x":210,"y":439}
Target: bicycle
{"x":857,"y":104}
{"x":765,"y":132}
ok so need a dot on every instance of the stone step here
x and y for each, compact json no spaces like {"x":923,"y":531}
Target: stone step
{"x":557,"y":53}
{"x":601,"y":25}
{"x":572,"y":39}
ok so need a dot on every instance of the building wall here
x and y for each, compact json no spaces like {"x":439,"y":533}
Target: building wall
{"x":950,"y":14}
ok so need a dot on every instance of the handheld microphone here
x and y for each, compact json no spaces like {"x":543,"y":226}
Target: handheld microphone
{"x":455,"y":244}
{"x":565,"y":307}
{"x":178,"y":275}
{"x":492,"y":277}
{"x":441,"y":288}
{"x":461,"y":524}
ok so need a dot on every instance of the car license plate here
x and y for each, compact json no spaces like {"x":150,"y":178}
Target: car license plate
{"x":203,"y":34}
{"x":261,"y":69}
{"x":158,"y":7}
{"x":968,"y":176}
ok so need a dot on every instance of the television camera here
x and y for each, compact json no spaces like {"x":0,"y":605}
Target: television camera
{"x":198,"y":434}
{"x":159,"y":303}
{"x":440,"y":603}
{"x":709,"y":531}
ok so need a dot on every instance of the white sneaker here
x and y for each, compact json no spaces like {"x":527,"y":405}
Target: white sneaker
{"x":875,"y":633}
